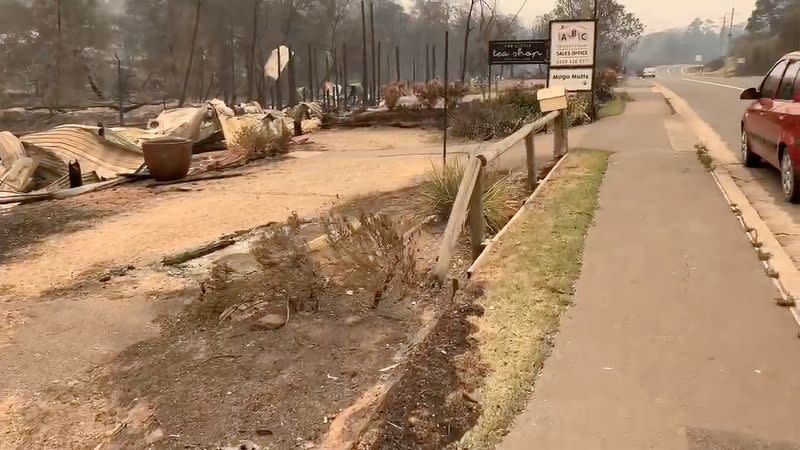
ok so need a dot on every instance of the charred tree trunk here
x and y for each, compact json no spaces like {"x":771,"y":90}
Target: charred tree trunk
{"x":119,"y":92}
{"x":292,"y":83}
{"x":364,"y":72}
{"x":467,"y":30}
{"x":397,"y":61}
{"x":427,"y":63}
{"x":182,"y":99}
{"x":372,"y":46}
{"x":345,"y":81}
{"x":251,"y":55}
{"x":278,"y":91}
{"x":310,"y":88}
{"x":59,"y":49}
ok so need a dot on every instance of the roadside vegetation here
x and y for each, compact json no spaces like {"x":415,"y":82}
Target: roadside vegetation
{"x":529,"y":284}
{"x":494,"y":118}
{"x":439,"y":188}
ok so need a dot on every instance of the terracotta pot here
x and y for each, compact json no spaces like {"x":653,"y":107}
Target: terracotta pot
{"x":168,"y":159}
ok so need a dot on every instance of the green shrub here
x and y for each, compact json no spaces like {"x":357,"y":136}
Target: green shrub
{"x":428,"y":94}
{"x":439,"y":188}
{"x":578,"y":109}
{"x":482,"y":121}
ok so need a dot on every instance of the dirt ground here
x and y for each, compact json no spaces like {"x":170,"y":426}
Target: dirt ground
{"x":101,"y":345}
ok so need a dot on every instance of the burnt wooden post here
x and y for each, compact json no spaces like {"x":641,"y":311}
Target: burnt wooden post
{"x":292,"y":82}
{"x":364,"y":72}
{"x":310,"y":76}
{"x":119,"y":96}
{"x":75,"y":177}
{"x":477,"y":223}
{"x":433,"y":61}
{"x":345,"y":79}
{"x":530,"y":153}
{"x":413,"y":70}
{"x":427,"y":63}
{"x":374,"y":89}
{"x":325,"y":80}
{"x":561,"y":145}
{"x":317,"y":84}
{"x":279,"y":98}
{"x":378,"y":76}
{"x":397,"y":61}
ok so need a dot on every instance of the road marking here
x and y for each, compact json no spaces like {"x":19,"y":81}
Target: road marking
{"x":713,"y":84}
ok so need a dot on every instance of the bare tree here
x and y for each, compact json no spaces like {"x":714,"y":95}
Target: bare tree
{"x":467,"y":30}
{"x":182,"y":100}
{"x":251,"y":55}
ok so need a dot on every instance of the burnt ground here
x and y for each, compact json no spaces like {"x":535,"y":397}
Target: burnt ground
{"x":24,"y":225}
{"x":430,"y":407}
{"x":214,"y":377}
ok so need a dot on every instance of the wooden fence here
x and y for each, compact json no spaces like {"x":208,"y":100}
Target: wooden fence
{"x":469,"y":200}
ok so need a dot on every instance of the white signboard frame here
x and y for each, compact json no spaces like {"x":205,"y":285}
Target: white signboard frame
{"x":573,"y":79}
{"x":572,"y":43}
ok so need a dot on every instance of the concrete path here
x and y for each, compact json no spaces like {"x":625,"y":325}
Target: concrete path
{"x":675,"y":341}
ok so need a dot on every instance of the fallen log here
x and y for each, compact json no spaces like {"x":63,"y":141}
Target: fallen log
{"x":197,"y":252}
{"x":402,"y":118}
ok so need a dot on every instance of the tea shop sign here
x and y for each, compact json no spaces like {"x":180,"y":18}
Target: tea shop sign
{"x":533,"y":51}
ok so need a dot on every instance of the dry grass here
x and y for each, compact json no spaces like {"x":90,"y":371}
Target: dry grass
{"x":257,"y":140}
{"x":439,"y":188}
{"x":529,"y":283}
{"x":705,"y":159}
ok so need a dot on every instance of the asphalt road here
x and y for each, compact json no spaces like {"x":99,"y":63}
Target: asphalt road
{"x":716,"y":99}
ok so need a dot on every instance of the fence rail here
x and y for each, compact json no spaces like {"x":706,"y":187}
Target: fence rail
{"x":469,"y":199}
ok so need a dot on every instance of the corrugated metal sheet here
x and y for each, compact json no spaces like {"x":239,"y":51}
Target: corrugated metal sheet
{"x":82,"y":143}
{"x":11,"y":149}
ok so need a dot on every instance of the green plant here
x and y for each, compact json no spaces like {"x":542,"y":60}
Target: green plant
{"x":607,"y":81}
{"x":522,"y":97}
{"x":440,"y":185}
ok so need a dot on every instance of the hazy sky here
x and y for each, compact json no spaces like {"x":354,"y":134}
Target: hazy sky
{"x":656,"y":15}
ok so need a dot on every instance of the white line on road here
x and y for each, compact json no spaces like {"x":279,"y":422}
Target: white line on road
{"x":713,"y":84}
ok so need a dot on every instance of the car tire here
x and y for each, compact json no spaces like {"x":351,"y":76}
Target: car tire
{"x":790,"y":179}
{"x":749,"y":159}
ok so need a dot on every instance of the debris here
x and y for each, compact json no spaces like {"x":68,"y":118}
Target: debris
{"x":785,"y":301}
{"x":269,"y":322}
{"x":11,"y":150}
{"x":19,"y":176}
{"x":264,"y":432}
{"x":66,"y":193}
{"x":395,"y":425}
{"x":196,"y":252}
{"x":85,"y":144}
{"x":243,"y":445}
{"x":331,"y":377}
{"x":199,"y":177}
{"x":388,"y":368}
{"x":271,"y":68}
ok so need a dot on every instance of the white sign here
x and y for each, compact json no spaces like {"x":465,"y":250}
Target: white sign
{"x":571,"y":43}
{"x":741,"y":60}
{"x":572,"y":79}
{"x":698,"y":58}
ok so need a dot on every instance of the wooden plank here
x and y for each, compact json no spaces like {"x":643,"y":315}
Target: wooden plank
{"x":458,"y":215}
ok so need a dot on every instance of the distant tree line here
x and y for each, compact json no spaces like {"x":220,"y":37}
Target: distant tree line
{"x":64,"y":52}
{"x":773,"y":30}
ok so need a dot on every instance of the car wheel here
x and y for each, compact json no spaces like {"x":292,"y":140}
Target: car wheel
{"x":789,"y":179}
{"x":749,"y":159}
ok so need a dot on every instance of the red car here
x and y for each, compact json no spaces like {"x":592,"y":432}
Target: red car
{"x":771,"y":124}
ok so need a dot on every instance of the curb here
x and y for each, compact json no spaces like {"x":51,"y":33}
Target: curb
{"x":758,"y":233}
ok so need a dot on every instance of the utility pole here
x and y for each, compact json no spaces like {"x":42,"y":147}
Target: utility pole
{"x":722,"y":36}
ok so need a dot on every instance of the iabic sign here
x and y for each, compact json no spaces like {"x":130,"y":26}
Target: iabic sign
{"x":572,"y":43}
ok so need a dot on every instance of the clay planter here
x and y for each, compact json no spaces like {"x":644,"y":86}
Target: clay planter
{"x":168,"y":159}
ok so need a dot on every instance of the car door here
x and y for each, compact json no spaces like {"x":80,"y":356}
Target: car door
{"x":757,"y":125}
{"x":788,"y":110}
{"x":779,"y":118}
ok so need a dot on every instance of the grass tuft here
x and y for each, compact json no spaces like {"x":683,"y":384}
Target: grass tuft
{"x":704,"y":157}
{"x":530,"y":280}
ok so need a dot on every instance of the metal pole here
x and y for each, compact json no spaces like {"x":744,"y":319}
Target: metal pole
{"x":444,"y":137}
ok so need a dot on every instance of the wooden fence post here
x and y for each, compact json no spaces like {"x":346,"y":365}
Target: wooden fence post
{"x":477,"y":224}
{"x":530,"y":154}
{"x":561,"y":145}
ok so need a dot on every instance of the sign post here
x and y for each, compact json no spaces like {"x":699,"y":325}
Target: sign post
{"x":533,"y":51}
{"x":573,"y":45}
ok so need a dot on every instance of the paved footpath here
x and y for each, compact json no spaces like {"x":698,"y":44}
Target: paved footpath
{"x":675,"y":341}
